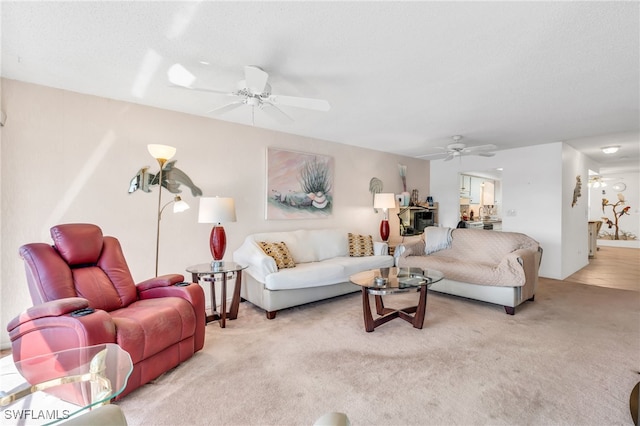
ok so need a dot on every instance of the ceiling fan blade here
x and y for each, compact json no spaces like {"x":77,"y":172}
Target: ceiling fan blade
{"x":226,"y":108}
{"x":487,"y":147}
{"x":276,"y":113}
{"x":450,"y":157}
{"x":308,"y":103}
{"x":434,"y":156}
{"x":255,"y":78}
{"x":203,"y":89}
{"x":485,"y":154}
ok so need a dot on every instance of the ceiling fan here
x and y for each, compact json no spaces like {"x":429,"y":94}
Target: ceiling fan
{"x":598,"y":181}
{"x":254,"y":91}
{"x":458,"y":149}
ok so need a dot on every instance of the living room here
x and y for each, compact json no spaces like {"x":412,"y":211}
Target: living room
{"x":69,"y":156}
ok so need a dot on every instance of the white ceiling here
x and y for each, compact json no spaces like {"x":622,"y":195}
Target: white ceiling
{"x":401,"y":77}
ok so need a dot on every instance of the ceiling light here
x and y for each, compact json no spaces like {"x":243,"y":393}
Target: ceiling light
{"x":610,"y":149}
{"x":180,"y":76}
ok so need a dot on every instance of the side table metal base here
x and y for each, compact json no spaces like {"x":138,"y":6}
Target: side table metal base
{"x":223,"y":315}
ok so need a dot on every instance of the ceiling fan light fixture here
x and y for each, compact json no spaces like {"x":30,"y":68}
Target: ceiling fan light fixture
{"x":610,"y":149}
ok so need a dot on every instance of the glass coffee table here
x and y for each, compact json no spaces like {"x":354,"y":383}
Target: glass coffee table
{"x":50,"y":388}
{"x":385,"y":281}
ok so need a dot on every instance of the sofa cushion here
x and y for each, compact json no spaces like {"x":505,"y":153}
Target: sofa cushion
{"x":507,"y":273}
{"x":328,"y":243}
{"x":279,"y":252}
{"x":353,"y":265}
{"x":485,"y":246}
{"x":304,"y":275}
{"x":360,"y":245}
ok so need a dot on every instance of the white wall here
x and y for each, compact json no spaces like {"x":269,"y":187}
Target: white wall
{"x":575,"y":229}
{"x":67,"y":157}
{"x":533,"y":194}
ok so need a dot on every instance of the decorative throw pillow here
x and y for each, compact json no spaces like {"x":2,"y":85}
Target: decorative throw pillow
{"x":360,"y":245}
{"x":279,"y":252}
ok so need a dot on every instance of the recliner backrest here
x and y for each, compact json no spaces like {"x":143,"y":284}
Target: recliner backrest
{"x":82,"y":263}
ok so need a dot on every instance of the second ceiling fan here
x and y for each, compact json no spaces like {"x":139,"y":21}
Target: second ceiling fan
{"x":254,"y":91}
{"x":459,"y":149}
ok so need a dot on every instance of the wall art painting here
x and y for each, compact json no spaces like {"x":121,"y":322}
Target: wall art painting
{"x":299,"y":185}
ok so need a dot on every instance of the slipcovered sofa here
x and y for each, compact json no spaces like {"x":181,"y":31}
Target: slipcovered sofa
{"x":490,"y":266}
{"x":322,"y":266}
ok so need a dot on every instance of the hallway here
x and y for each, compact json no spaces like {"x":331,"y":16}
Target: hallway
{"x":613,"y":267}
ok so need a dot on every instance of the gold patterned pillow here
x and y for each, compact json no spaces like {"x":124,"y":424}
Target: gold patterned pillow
{"x":360,"y":245}
{"x":279,"y":252}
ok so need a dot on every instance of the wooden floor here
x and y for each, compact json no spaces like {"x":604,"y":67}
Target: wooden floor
{"x":613,"y":267}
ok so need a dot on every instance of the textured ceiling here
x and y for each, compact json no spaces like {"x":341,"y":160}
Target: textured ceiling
{"x":401,"y":77}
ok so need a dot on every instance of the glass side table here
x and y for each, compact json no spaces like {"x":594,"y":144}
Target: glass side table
{"x":53,"y":387}
{"x":205,"y":272}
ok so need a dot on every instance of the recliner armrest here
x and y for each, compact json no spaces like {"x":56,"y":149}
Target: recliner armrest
{"x":161,"y":281}
{"x":54,"y":308}
{"x":193,"y":293}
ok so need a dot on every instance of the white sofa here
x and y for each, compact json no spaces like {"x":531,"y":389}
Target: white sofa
{"x":322,"y":268}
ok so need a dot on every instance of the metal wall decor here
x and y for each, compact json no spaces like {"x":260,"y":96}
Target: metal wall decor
{"x":172,"y":178}
{"x":577,"y":191}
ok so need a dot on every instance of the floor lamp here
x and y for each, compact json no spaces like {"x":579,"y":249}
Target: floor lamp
{"x":384,"y":201}
{"x":162,"y":153}
{"x":217,"y":210}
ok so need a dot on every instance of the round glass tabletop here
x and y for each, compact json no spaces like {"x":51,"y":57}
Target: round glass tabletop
{"x":383,"y":281}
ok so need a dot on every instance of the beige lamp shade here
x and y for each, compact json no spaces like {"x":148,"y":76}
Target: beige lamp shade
{"x":216,"y":210}
{"x":161,"y":152}
{"x":384,"y":201}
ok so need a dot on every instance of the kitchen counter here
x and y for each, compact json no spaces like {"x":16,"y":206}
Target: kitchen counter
{"x":489,"y":224}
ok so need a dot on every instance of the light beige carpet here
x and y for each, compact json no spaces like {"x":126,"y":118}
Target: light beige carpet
{"x":570,"y":357}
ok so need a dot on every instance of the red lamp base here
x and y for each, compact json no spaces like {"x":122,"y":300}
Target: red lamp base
{"x":384,"y":230}
{"x":218,"y":242}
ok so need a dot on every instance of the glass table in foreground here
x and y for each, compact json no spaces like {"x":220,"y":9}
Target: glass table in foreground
{"x":385,"y":281}
{"x":54,"y":387}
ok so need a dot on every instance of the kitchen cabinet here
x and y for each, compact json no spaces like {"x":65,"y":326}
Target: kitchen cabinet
{"x":476,"y":190}
{"x":488,"y":194}
{"x":481,"y":190}
{"x":465,"y":185}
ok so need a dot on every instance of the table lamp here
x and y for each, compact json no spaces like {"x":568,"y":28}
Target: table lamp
{"x":384,"y":201}
{"x":217,"y":210}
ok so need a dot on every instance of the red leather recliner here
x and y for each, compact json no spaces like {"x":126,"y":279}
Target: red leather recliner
{"x":160,"y":321}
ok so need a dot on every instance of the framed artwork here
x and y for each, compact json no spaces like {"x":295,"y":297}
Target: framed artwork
{"x":299,"y":185}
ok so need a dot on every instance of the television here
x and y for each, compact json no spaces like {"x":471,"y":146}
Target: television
{"x":421,"y":219}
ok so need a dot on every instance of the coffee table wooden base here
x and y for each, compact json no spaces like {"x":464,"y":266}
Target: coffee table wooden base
{"x":386,"y":314}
